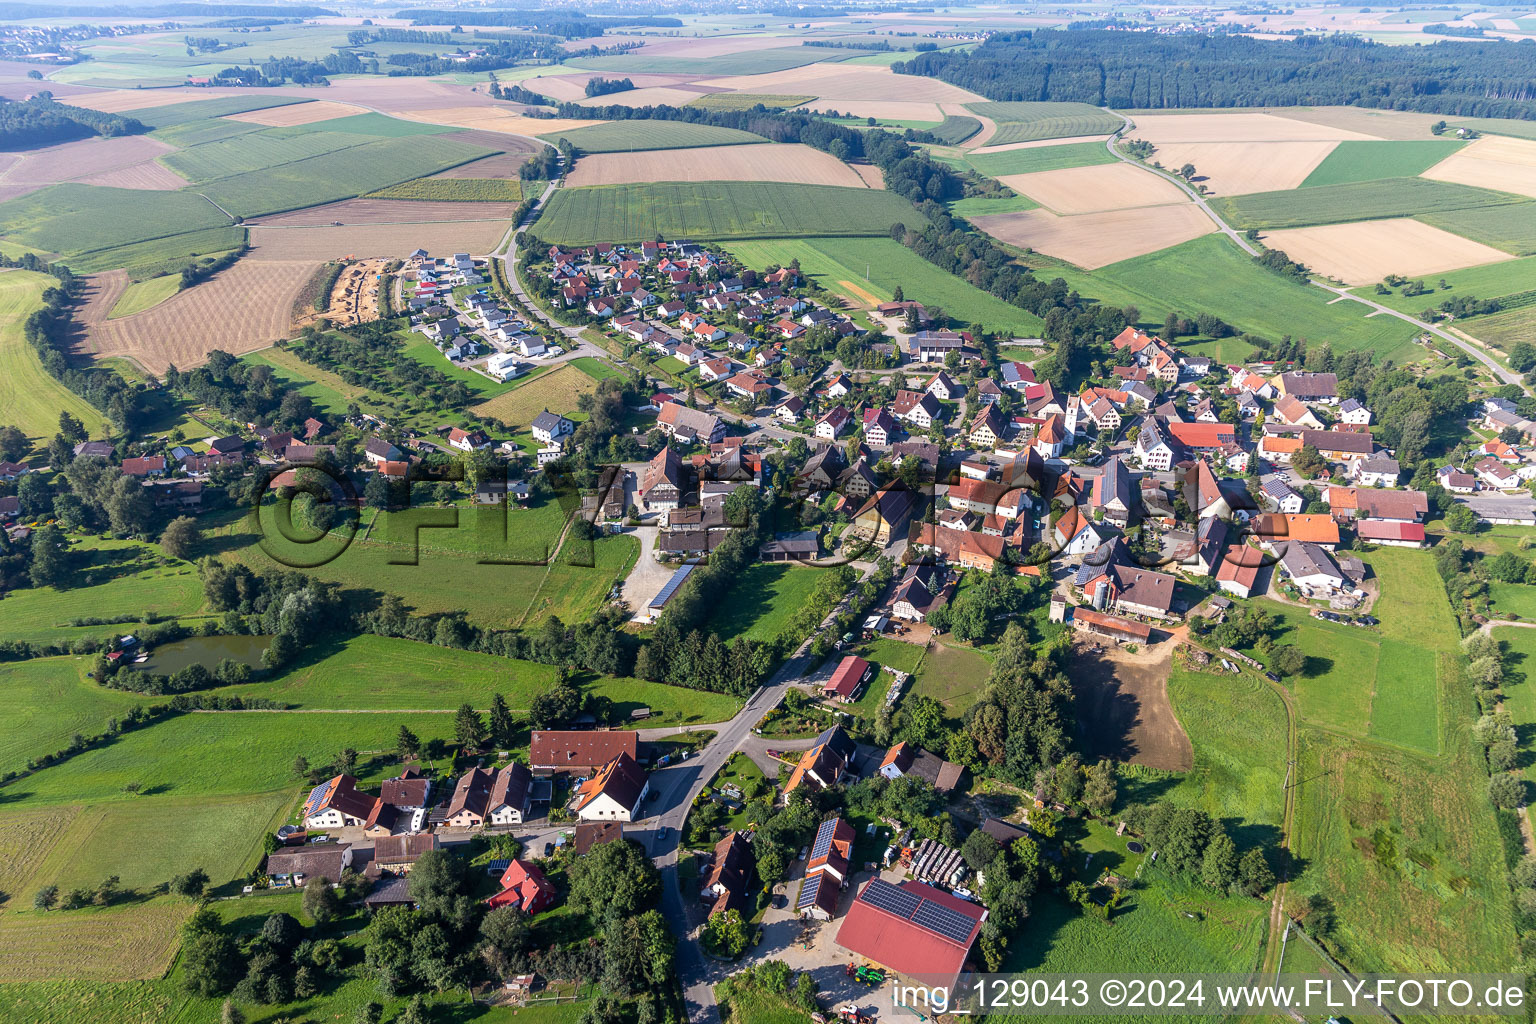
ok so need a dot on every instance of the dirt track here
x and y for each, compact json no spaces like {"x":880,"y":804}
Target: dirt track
{"x":1123,"y":709}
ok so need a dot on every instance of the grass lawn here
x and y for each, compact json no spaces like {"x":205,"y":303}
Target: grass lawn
{"x":1513,"y":599}
{"x":763,"y":600}
{"x":596,"y":368}
{"x":1367,"y":160}
{"x":953,"y":675}
{"x":557,"y":390}
{"x":119,"y":577}
{"x":1212,"y":275}
{"x":142,"y":295}
{"x":29,"y":397}
{"x":981,"y":206}
{"x":46,"y":701}
{"x":717,"y":210}
{"x":754,"y":1006}
{"x":868,"y":270}
{"x":417,"y":347}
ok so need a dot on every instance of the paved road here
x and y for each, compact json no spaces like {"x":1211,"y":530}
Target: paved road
{"x":1500,"y":372}
{"x":507,"y":253}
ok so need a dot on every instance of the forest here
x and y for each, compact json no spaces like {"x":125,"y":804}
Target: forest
{"x":1494,"y":78}
{"x":39,"y":121}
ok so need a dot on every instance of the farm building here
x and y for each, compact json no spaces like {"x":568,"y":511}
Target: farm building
{"x":912,"y":929}
{"x":848,"y":677}
{"x":1087,"y":620}
{"x":578,"y":752}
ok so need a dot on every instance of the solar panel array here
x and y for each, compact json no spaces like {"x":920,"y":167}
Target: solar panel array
{"x":676,"y":581}
{"x":808,"y":891}
{"x":823,"y":838}
{"x":892,"y":900}
{"x":949,"y":923}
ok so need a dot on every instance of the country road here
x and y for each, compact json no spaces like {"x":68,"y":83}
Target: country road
{"x":1500,"y":372}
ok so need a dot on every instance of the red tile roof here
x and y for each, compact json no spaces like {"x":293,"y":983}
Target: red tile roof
{"x":578,"y":751}
{"x":899,"y":942}
{"x":849,"y":674}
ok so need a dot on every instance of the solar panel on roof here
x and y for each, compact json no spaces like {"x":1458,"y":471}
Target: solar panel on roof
{"x":887,"y":897}
{"x":808,"y":891}
{"x":947,"y":922}
{"x":677,"y":580}
{"x":823,"y":839}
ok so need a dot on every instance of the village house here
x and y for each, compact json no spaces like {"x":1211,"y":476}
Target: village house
{"x":920,"y":409}
{"x":825,"y":764}
{"x":337,"y":803}
{"x":833,"y":422}
{"x":827,"y":870}
{"x":614,"y":793}
{"x":548,"y":427}
{"x":905,"y":759}
{"x":578,"y":752}
{"x":468,"y":440}
{"x":731,"y":877}
{"x":524,"y":886}
{"x":690,"y":426}
{"x":879,"y":428}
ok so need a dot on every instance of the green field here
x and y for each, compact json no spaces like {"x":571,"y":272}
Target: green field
{"x":72,"y":218}
{"x":259,"y":151}
{"x":1489,"y":281}
{"x":379,"y":125}
{"x":1361,"y":200}
{"x":717,"y":210}
{"x":142,"y":295}
{"x":840,"y":265}
{"x":762,"y":601}
{"x":955,"y":129}
{"x":1502,"y":330}
{"x":1511,"y":227}
{"x":1042,"y":158}
{"x":1513,"y":599}
{"x":954,"y":675}
{"x":196,"y":110}
{"x":1497,"y":125}
{"x":1368,"y":161}
{"x":455,"y":190}
{"x":1026,"y":122}
{"x":46,"y":701}
{"x":1519,"y":645}
{"x":29,"y":397}
{"x":1212,"y":275}
{"x":596,"y":368}
{"x":751,"y":62}
{"x":629,"y":136}
{"x":157,"y":256}
{"x":748,"y":100}
{"x":981,"y":206}
{"x":212,"y":129}
{"x":343,"y":174}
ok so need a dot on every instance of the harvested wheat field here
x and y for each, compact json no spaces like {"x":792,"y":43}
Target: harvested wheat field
{"x":572,"y":88}
{"x":1116,"y":186}
{"x":1236,"y":168}
{"x":297,"y":113}
{"x":149,"y":175}
{"x":116,"y":101}
{"x":127,"y":943}
{"x":766,"y":161}
{"x":324,"y":242}
{"x":1096,"y":240}
{"x":491,"y":119}
{"x":1393,"y":125}
{"x":1502,"y":164}
{"x":495,"y":141}
{"x":870,"y":174}
{"x":360,"y":212}
{"x":832,"y":83}
{"x":1031,"y":144}
{"x":239,"y":310}
{"x":502,"y":165}
{"x":74,"y":161}
{"x":1159,"y":129}
{"x":1366,"y":251}
{"x":886,"y":110}
{"x":670,"y":96}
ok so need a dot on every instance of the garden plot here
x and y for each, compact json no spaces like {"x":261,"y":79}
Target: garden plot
{"x":787,"y":162}
{"x":1235,"y":168}
{"x":1116,"y":186}
{"x":1094,"y":240}
{"x":1492,"y":162}
{"x":1365,"y":251}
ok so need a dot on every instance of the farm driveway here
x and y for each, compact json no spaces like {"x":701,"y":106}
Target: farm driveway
{"x":1123,"y":705}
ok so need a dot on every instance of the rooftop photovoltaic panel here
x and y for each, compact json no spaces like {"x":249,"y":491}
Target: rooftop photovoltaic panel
{"x":889,"y":898}
{"x":949,"y":923}
{"x":808,"y":891}
{"x":823,"y":839}
{"x":677,"y":580}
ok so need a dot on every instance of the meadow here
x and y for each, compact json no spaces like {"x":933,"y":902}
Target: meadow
{"x":1211,"y":275}
{"x":1511,"y":227}
{"x":46,"y":701}
{"x":1519,"y":646}
{"x":1361,"y":200}
{"x":343,"y":174}
{"x":1027,"y":122}
{"x":30,"y":397}
{"x":840,"y":265}
{"x":639,"y":134}
{"x":559,"y":390}
{"x":1502,"y":330}
{"x":1040,"y":158}
{"x":455,"y":190}
{"x":73,"y":219}
{"x":156,"y":256}
{"x":717,"y":210}
{"x":953,"y":675}
{"x":762,"y":601}
{"x":1360,"y":160}
{"x":142,"y":295}
{"x":173,"y":114}
{"x":1490,"y":281}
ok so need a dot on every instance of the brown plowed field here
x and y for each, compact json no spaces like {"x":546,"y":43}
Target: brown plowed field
{"x":74,"y":161}
{"x":364,"y":212}
{"x":148,"y":175}
{"x":1116,"y":186}
{"x":1123,"y":711}
{"x":499,"y":141}
{"x":767,"y":161}
{"x":321,"y":243}
{"x":502,"y":165}
{"x":297,"y":113}
{"x":1093,"y":240}
{"x":245,"y":308}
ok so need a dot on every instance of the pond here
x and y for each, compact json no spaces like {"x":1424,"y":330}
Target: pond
{"x":208,"y":651}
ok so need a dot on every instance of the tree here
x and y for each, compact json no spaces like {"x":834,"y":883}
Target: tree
{"x":726,"y":934}
{"x":414,"y":1013}
{"x":368,"y":1013}
{"x":468,"y":728}
{"x":502,"y":725}
{"x":440,"y":888}
{"x":45,"y":898}
{"x":387,"y":948}
{"x":13,"y":443}
{"x":1522,"y":356}
{"x":1099,"y":790}
{"x":407,"y":744}
{"x":506,"y":934}
{"x":282,"y":931}
{"x":300,"y":766}
{"x":376,"y":492}
{"x":50,"y":557}
{"x":1255,"y":873}
{"x":614,"y":881}
{"x":191,"y":885}
{"x":210,"y":960}
{"x":128,"y":507}
{"x":1287,"y":659}
{"x":181,"y":537}
{"x":1506,"y":791}
{"x":1461,"y":519}
{"x":979,"y":850}
{"x":1218,"y":869}
{"x":34,"y":495}
{"x":320,"y":900}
